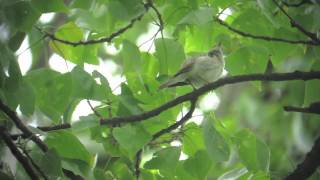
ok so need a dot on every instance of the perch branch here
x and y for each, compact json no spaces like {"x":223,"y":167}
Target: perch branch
{"x":221,"y":82}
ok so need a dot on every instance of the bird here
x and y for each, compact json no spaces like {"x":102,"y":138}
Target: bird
{"x":199,"y":71}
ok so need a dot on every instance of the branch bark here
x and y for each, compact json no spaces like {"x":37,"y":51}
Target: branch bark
{"x":295,"y":24}
{"x":147,"y":6}
{"x":307,"y":167}
{"x":221,"y":82}
{"x":313,"y":108}
{"x":27,"y":133}
{"x":266,"y":38}
{"x":17,"y":154}
{"x":174,"y":126}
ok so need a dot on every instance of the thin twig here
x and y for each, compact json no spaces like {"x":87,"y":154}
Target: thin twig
{"x":266,"y":38}
{"x":137,"y":164}
{"x":313,"y":108}
{"x":35,"y":165}
{"x":17,"y":154}
{"x":302,"y":2}
{"x":161,"y":23}
{"x":101,"y":40}
{"x":17,"y":121}
{"x":27,"y":133}
{"x":174,"y":126}
{"x":295,"y":24}
{"x":94,"y":111}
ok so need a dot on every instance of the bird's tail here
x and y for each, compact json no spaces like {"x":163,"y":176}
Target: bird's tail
{"x":173,"y":81}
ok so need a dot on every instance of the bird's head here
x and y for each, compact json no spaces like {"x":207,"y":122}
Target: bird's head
{"x":216,"y":51}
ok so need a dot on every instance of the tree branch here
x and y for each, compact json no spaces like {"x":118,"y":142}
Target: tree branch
{"x":313,"y":108}
{"x":17,"y":121}
{"x":302,"y":2}
{"x":295,"y":24}
{"x":309,"y":164}
{"x":219,"y":83}
{"x":174,"y":126}
{"x":266,"y":38}
{"x":17,"y":154}
{"x":147,"y":6}
{"x":35,"y":165}
{"x":27,"y":133}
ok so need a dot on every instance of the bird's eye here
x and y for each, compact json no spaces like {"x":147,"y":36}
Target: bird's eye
{"x":212,"y":53}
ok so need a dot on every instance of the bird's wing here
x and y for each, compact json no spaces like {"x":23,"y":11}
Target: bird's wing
{"x":186,"y":67}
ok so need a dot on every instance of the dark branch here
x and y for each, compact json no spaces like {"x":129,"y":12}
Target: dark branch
{"x":313,"y":108}
{"x":221,"y":82}
{"x":17,"y":121}
{"x":309,"y":164}
{"x":17,"y":154}
{"x":174,"y":126}
{"x":295,"y":24}
{"x":45,"y":129}
{"x":161,"y":23}
{"x":302,"y":2}
{"x":105,"y":39}
{"x":35,"y":165}
{"x":28,"y":134}
{"x":266,"y":38}
{"x":137,"y":164}
{"x":94,"y":111}
{"x":54,"y":128}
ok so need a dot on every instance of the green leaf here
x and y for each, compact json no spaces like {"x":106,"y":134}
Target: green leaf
{"x":192,"y":139}
{"x":21,"y":15}
{"x":165,"y":160}
{"x":215,"y":143}
{"x":27,"y":99}
{"x":170,"y":55}
{"x":15,"y":77}
{"x":68,"y":145}
{"x":16,"y":41}
{"x":76,"y":54}
{"x":131,"y":57}
{"x":268,"y":8}
{"x":128,"y":104}
{"x":236,"y":62}
{"x":82,"y":4}
{"x":50,"y":6}
{"x":50,"y":164}
{"x":198,"y":165}
{"x":125,"y":9}
{"x":198,"y":17}
{"x":131,"y":138}
{"x":85,"y":122}
{"x":233,"y":174}
{"x":82,"y":82}
{"x":312,"y":91}
{"x":254,"y":154}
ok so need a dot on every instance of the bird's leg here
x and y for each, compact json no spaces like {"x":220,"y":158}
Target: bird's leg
{"x":194,"y":88}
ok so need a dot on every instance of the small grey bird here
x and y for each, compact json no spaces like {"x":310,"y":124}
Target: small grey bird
{"x":199,"y":71}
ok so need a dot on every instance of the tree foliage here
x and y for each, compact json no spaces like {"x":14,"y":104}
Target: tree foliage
{"x":146,"y":133}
